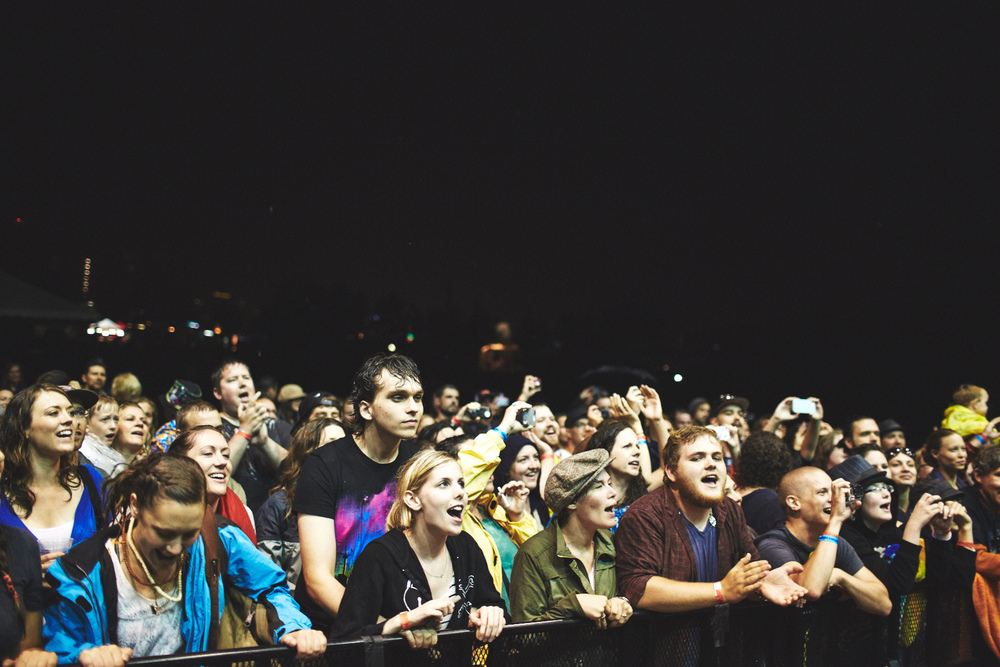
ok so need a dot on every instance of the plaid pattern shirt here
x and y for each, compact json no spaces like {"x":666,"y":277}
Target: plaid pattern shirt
{"x":652,"y":541}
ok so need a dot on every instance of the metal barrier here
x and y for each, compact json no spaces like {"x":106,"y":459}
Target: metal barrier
{"x":929,"y":630}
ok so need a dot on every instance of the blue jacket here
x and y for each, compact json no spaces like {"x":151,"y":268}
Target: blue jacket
{"x":85,"y":614}
{"x":85,"y":521}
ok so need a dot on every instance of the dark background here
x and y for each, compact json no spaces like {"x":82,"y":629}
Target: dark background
{"x":769,"y":201}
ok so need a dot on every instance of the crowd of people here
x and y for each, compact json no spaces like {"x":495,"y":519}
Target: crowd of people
{"x":137,"y":527}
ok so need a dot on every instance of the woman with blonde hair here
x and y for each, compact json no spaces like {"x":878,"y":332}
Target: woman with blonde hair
{"x":125,"y":387}
{"x":424,"y":574}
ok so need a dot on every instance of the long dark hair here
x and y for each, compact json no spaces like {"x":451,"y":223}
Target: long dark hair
{"x":604,"y":438}
{"x":17,"y":474}
{"x":304,"y":442}
{"x":158,"y":475}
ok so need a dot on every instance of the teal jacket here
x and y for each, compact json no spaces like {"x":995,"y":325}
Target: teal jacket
{"x":85,"y":612}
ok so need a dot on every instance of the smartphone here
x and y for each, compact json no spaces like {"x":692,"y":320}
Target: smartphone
{"x":721,"y":432}
{"x":526,"y":417}
{"x":803,"y":406}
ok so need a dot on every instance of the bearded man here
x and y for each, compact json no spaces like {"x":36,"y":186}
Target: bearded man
{"x":686,"y":546}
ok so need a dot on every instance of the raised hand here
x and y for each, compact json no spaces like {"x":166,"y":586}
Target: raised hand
{"x":532,"y":385}
{"x":622,"y":411}
{"x":513,"y":498}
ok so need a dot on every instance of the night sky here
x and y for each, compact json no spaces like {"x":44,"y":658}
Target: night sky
{"x":769,"y":201}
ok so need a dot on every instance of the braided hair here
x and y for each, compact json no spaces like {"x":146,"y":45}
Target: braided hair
{"x":8,"y":584}
{"x":158,"y":475}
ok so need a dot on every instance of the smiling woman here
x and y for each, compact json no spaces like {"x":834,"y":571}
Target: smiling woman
{"x":423,"y":556}
{"x":569,"y":568}
{"x":44,"y":491}
{"x":151,"y":561}
{"x":209,"y":449}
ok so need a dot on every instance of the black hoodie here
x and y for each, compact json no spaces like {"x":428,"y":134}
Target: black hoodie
{"x":387,"y":579}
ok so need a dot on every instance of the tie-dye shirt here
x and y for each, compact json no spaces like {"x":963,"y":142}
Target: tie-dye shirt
{"x":339,"y":482}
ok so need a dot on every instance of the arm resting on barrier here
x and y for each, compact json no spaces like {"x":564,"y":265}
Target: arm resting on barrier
{"x":865,"y":589}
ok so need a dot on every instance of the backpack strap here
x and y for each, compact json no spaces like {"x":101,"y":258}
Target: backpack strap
{"x":95,"y":497}
{"x":213,"y":567}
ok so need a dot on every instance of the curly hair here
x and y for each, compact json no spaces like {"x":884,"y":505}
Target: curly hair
{"x":18,"y":450}
{"x":763,"y":461}
{"x":307,"y":439}
{"x":604,"y":438}
{"x":158,"y":475}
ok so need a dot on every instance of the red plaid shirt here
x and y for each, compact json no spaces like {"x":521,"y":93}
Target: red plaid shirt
{"x":651,"y":541}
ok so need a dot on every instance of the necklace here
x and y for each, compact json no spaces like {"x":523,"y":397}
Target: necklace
{"x":145,"y":569}
{"x":438,"y":576}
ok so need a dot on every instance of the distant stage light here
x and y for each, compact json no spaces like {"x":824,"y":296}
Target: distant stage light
{"x":392,"y":347}
{"x":678,"y":377}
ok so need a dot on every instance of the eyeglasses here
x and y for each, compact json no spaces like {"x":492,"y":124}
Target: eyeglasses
{"x":878,"y":487}
{"x":896,"y":451}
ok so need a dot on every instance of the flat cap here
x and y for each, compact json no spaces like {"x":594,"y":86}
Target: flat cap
{"x":571,"y":477}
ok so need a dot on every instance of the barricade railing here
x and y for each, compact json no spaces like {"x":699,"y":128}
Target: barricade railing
{"x":929,"y":630}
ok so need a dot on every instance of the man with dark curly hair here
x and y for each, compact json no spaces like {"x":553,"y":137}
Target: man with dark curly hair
{"x":764,"y":460}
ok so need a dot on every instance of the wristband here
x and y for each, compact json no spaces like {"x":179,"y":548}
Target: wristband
{"x":547,"y":456}
{"x":718,"y":592}
{"x":641,"y":439}
{"x":827,"y":537}
{"x":982,"y":440}
{"x":404,"y":621}
{"x":455,"y":422}
{"x":502,"y":434}
{"x":244,"y":434}
{"x":967,"y":545}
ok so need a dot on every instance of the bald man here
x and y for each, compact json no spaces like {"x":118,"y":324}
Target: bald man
{"x":815,"y":509}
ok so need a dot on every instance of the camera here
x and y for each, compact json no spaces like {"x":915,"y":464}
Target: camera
{"x":483,"y":413}
{"x":526,"y":417}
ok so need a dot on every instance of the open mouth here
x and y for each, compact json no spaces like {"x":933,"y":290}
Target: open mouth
{"x":828,"y":510}
{"x":244,"y":396}
{"x":455,"y":512}
{"x":220,"y":477}
{"x":710,"y":480}
{"x":886,"y":506}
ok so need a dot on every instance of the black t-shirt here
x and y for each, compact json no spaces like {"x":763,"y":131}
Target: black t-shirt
{"x":763,"y":511}
{"x":24,"y":566}
{"x":339,"y":482}
{"x":255,"y":473}
{"x":779,"y":547}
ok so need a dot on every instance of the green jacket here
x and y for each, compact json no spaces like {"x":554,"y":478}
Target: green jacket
{"x":547,"y":578}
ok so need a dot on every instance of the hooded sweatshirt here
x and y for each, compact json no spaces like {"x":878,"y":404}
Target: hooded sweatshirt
{"x":388,"y":579}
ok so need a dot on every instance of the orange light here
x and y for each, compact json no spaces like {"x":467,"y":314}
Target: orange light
{"x":170,"y":329}
{"x":218,"y":330}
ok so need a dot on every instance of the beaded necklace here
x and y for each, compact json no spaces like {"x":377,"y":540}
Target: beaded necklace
{"x":142,"y":562}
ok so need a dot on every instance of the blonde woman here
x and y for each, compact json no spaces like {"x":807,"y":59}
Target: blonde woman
{"x":424,"y":574}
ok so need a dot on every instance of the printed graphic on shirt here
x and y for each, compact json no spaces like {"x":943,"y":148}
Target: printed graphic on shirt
{"x":358,"y":522}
